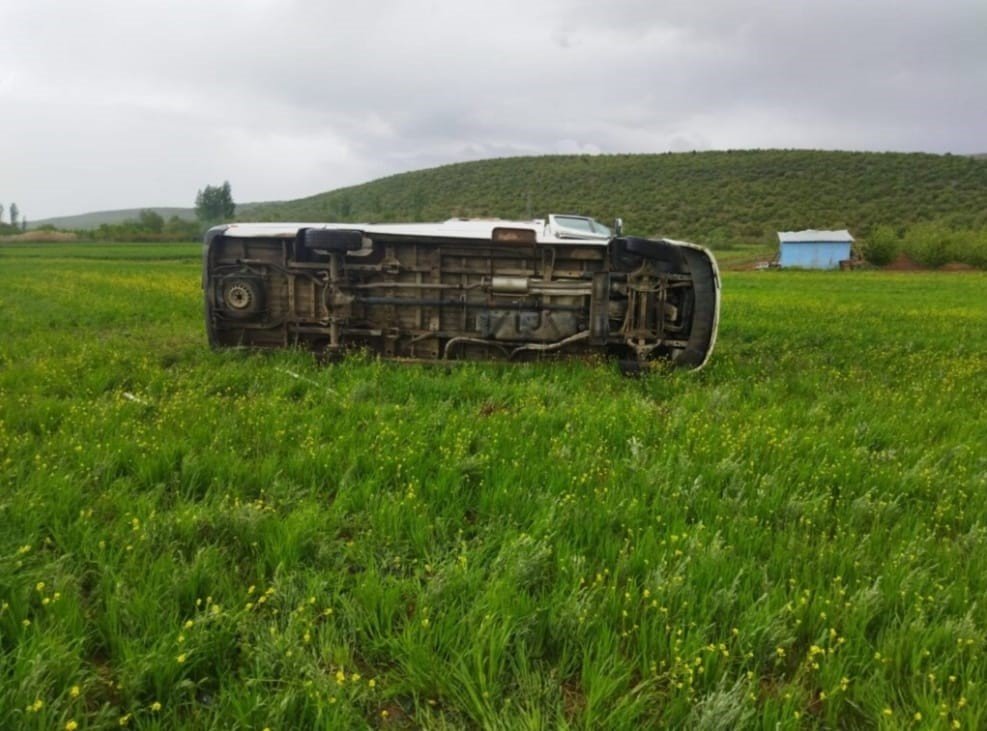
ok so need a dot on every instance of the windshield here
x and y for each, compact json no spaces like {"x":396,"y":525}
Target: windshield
{"x":579,"y":224}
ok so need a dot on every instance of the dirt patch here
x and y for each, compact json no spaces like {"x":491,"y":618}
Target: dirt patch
{"x":904,"y":263}
{"x":42,"y":236}
{"x":747,"y":266}
{"x":956,"y":266}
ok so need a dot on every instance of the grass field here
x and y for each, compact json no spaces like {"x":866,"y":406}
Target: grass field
{"x":795,"y":537}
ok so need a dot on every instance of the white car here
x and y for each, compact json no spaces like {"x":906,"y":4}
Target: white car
{"x":463,"y":289}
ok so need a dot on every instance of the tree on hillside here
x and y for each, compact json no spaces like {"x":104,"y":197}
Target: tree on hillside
{"x":215,"y":203}
{"x":1,"y":214}
{"x":151,"y":221}
{"x":14,"y":213}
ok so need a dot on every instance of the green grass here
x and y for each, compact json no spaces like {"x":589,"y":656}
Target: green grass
{"x":793,"y":537}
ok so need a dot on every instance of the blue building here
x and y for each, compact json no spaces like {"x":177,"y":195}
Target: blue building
{"x":814,"y":249}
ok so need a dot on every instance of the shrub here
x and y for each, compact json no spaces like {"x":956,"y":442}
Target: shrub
{"x":934,"y":244}
{"x":881,"y":246}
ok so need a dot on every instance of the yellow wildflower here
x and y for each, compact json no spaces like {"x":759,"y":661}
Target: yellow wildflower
{"x":156,"y":706}
{"x":74,"y":692}
{"x":71,"y":725}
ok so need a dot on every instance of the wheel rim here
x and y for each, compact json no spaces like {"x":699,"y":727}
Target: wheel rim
{"x":239,"y":296}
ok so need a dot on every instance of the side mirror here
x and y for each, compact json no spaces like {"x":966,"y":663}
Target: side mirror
{"x":618,"y":226}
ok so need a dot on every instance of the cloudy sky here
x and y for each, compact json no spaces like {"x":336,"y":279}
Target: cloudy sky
{"x":125,"y":103}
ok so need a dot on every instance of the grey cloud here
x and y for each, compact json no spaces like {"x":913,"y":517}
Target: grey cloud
{"x":114,"y":103}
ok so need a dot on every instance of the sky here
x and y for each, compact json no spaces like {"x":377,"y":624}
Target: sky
{"x":109,"y":104}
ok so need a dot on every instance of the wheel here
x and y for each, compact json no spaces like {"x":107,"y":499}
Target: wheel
{"x":242,"y":297}
{"x":332,"y":239}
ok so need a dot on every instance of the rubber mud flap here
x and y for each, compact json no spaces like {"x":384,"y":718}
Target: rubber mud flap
{"x":332,"y":239}
{"x":704,"y":309}
{"x":634,"y":246}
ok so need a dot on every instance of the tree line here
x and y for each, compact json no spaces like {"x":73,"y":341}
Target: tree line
{"x":17,"y":221}
{"x":715,"y":198}
{"x":214,"y":204}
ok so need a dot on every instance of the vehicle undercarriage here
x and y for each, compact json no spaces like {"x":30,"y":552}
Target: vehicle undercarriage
{"x":508,"y":297}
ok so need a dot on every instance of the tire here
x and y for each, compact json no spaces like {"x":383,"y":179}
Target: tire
{"x":332,"y":239}
{"x":242,"y":297}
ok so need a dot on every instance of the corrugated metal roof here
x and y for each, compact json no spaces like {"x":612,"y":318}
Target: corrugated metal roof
{"x":813,"y":236}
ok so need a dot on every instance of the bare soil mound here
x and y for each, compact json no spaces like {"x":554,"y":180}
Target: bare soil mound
{"x":904,"y":263}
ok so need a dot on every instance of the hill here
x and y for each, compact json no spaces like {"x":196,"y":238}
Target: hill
{"x":716,"y":197}
{"x":86,"y":221}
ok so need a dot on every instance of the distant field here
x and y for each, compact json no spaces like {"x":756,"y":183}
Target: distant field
{"x":114,"y":252}
{"x":793,"y":538}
